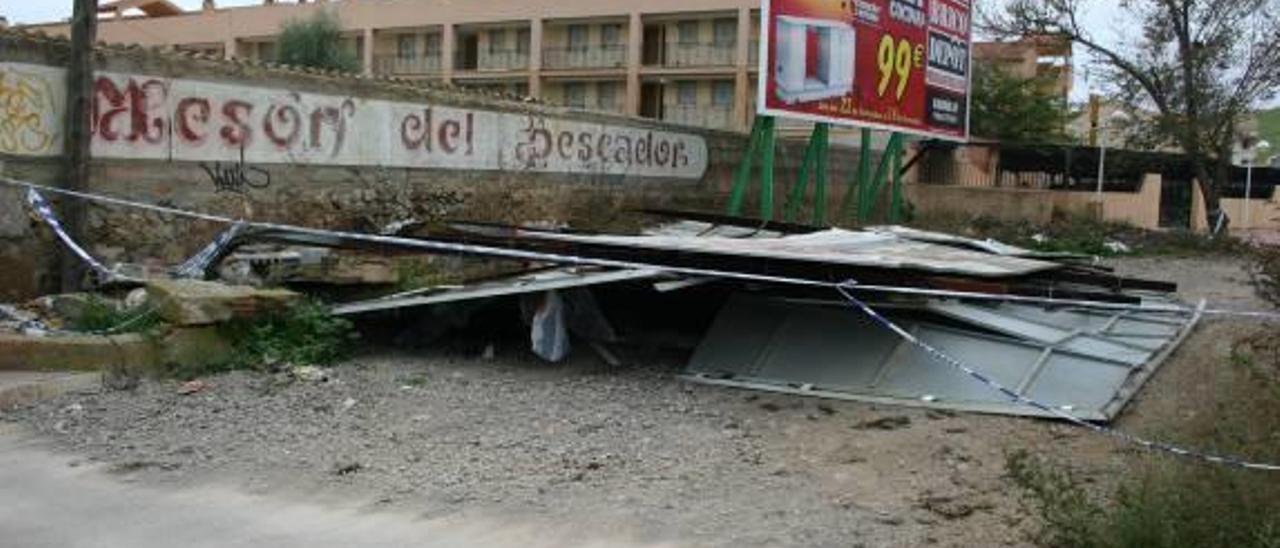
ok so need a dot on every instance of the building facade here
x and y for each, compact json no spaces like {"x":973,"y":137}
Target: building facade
{"x":682,"y":61}
{"x":688,"y":62}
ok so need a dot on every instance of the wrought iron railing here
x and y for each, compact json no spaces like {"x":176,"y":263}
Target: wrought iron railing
{"x":595,"y":56}
{"x":710,"y":116}
{"x":486,"y":59}
{"x":398,"y":65}
{"x":699,"y":54}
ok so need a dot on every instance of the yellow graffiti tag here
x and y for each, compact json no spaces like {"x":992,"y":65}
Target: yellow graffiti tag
{"x":27,"y":111}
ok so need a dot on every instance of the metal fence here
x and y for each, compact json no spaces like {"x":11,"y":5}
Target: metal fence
{"x":611,"y":56}
{"x":699,"y":54}
{"x":397,"y":65}
{"x":711,"y":116}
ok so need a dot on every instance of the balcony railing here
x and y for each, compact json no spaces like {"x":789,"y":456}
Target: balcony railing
{"x":710,"y":116}
{"x":397,"y":65}
{"x":700,"y":54}
{"x":485,"y":59}
{"x":598,"y":56}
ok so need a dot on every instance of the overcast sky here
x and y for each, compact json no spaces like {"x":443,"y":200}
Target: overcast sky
{"x":1104,"y":16}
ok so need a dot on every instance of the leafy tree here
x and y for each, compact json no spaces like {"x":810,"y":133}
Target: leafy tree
{"x":1014,"y":109}
{"x":1199,"y":65}
{"x":316,"y":42}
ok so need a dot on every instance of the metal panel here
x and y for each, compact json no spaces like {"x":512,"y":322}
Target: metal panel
{"x":560,"y":278}
{"x":836,"y":352}
{"x":833,"y":246}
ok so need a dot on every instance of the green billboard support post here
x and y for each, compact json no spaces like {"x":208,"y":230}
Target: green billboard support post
{"x":815,"y":160}
{"x":862,"y":193}
{"x":761,"y":143}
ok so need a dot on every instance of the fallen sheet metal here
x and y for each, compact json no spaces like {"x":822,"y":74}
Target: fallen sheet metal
{"x":537,"y":282}
{"x":1084,"y":361}
{"x":830,"y":247}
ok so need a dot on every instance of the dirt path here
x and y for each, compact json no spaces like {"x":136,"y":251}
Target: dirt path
{"x":635,"y":452}
{"x":52,"y":501}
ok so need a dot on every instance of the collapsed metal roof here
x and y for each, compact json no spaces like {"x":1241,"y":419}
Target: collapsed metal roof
{"x":1086,"y":362}
{"x":879,"y":249}
{"x":1065,"y":333}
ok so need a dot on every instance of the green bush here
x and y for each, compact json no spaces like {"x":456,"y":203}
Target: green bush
{"x":1165,"y":505}
{"x":316,"y":42}
{"x":304,"y":334}
{"x":1165,"y":501}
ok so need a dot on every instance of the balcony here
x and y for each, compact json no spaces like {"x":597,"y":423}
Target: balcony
{"x":709,"y":116}
{"x":685,"y":54}
{"x":611,"y":56}
{"x":396,"y":65}
{"x":493,"y":60}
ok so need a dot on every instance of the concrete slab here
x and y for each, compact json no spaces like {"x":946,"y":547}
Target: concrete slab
{"x":19,"y":388}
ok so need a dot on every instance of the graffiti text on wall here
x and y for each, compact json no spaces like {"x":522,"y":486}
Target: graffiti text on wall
{"x":29,"y":109}
{"x":142,"y":117}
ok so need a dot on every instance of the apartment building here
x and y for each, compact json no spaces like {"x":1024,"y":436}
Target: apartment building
{"x":682,"y":61}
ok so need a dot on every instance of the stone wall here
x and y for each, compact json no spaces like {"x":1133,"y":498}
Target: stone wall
{"x":325,"y":150}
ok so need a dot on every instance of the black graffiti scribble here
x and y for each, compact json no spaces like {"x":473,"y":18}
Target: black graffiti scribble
{"x":238,"y":177}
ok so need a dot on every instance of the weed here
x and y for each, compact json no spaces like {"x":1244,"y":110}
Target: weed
{"x":1084,"y":235}
{"x":99,"y":315}
{"x":304,"y":334}
{"x":1264,"y":272}
{"x":1165,"y":502}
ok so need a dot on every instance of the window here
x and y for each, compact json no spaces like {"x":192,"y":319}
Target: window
{"x":607,"y":95}
{"x":577,"y":37}
{"x":575,"y":95}
{"x":407,"y":46}
{"x":722,"y":94}
{"x":726,"y":33}
{"x":432,"y":48}
{"x":611,"y":35}
{"x":687,"y":94}
{"x":687,"y":32}
{"x":497,"y":40}
{"x":523,"y":38}
{"x":522,"y":89}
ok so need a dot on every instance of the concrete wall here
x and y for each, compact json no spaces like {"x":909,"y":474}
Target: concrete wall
{"x":1038,"y":206}
{"x":143,"y":154}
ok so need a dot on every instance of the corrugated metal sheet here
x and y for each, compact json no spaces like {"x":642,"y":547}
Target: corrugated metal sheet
{"x":833,"y":246}
{"x":547,"y":280}
{"x":1087,"y":362}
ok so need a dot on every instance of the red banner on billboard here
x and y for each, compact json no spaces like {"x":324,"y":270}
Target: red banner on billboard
{"x":898,"y":65}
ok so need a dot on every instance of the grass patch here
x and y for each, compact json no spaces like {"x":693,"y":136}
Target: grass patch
{"x":1165,"y":501}
{"x":1264,"y":272}
{"x":1084,"y":235}
{"x":99,"y":315}
{"x":303,"y":334}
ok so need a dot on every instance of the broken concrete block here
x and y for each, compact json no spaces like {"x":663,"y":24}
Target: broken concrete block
{"x":193,"y":302}
{"x":74,"y":352}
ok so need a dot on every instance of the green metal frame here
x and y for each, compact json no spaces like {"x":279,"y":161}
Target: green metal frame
{"x":815,"y":160}
{"x":763,"y":139}
{"x":862,"y":194}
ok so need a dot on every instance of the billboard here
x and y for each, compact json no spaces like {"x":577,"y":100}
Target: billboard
{"x":897,"y":65}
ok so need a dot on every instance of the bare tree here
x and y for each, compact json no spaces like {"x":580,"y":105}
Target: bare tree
{"x":1199,"y":65}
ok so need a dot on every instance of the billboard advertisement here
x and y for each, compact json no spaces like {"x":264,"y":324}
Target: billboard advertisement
{"x":897,"y":65}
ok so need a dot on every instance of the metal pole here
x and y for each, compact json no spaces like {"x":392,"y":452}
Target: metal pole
{"x":84,"y":30}
{"x":1248,"y":189}
{"x":1102,"y":161}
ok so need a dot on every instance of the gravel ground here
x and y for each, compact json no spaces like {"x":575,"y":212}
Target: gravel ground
{"x":633,"y":450}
